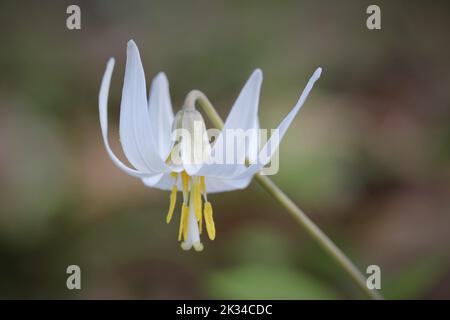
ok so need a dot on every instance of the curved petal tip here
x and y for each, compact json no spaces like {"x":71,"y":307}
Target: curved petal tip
{"x":317,"y":73}
{"x":110,"y":63}
{"x":257,"y":73}
{"x":161,"y":76}
{"x":131,"y":43}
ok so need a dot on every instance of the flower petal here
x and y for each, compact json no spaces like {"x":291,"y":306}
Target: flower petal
{"x":213,"y":185}
{"x":163,"y":181}
{"x":161,"y":114}
{"x":272,"y":145}
{"x":103,"y":111}
{"x":243,"y":116}
{"x":135,"y":127}
{"x":245,"y":110}
{"x":152,"y":181}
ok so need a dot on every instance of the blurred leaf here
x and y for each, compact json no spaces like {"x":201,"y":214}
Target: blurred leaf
{"x":260,"y":244}
{"x":314,"y":177}
{"x":266,"y":282}
{"x":414,"y":281}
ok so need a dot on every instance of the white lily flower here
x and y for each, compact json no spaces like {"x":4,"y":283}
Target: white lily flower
{"x":146,"y":137}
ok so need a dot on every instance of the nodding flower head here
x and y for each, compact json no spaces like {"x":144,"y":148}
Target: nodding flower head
{"x":174,"y":153}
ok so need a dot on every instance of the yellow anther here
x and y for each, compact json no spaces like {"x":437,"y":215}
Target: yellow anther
{"x":202,"y":185}
{"x":182,"y":232}
{"x":197,"y":197}
{"x":185,"y":181}
{"x":198,"y":206}
{"x":209,"y":221}
{"x":200,"y":224}
{"x":173,"y":201}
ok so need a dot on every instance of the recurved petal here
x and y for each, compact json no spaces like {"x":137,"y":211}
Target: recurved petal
{"x":161,"y":114}
{"x":243,"y":116}
{"x":135,"y":126}
{"x":244,"y":111}
{"x":103,"y":111}
{"x":272,"y":145}
{"x":215,"y":185}
{"x":163,"y":181}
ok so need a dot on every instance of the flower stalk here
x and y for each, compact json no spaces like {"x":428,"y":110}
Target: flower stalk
{"x":311,"y":228}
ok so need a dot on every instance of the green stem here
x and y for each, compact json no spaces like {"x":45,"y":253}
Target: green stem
{"x":311,"y":228}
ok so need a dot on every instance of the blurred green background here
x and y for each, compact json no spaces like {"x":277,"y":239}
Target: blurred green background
{"x":368,"y":157}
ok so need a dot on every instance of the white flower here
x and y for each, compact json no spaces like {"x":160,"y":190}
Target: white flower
{"x":146,"y":138}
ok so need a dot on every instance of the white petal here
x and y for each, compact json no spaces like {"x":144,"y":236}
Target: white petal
{"x":153,"y":180}
{"x":135,"y":128}
{"x":161,"y":114}
{"x":164,"y":181}
{"x":215,"y":185}
{"x":245,"y":110}
{"x":243,"y":115}
{"x":103,"y":111}
{"x":272,"y":145}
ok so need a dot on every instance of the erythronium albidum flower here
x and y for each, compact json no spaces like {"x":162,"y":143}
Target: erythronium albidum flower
{"x":146,"y":134}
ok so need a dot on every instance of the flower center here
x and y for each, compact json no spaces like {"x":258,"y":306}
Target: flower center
{"x":191,"y":143}
{"x":194,"y":210}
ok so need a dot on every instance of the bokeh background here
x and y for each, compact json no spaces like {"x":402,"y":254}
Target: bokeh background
{"x":368,"y":157}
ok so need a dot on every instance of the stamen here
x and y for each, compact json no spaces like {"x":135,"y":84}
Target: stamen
{"x":200,"y":224}
{"x":185,"y":207}
{"x":173,"y":201}
{"x":183,"y":223}
{"x":197,"y":201}
{"x":191,"y":221}
{"x":203,"y":186}
{"x":185,"y":181}
{"x":185,"y":246}
{"x":198,"y":246}
{"x":209,"y":221}
{"x":193,"y":236}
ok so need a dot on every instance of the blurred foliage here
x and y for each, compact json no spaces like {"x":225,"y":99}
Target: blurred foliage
{"x":264,"y":276}
{"x":415,"y":280}
{"x":266,"y":282}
